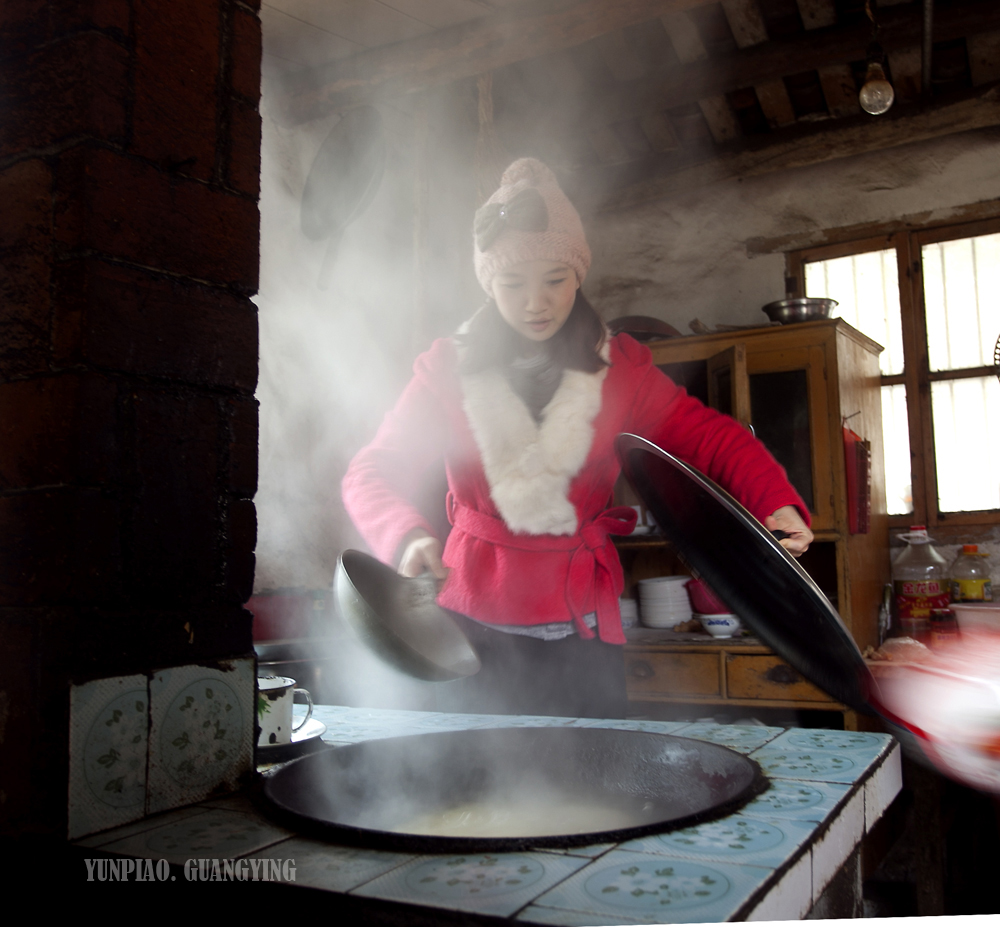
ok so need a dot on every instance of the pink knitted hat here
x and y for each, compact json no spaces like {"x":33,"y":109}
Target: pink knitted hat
{"x":529,"y":218}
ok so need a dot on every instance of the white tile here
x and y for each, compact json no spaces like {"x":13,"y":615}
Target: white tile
{"x":741,"y":738}
{"x":635,"y":724}
{"x":883,"y":787}
{"x":215,"y":833}
{"x":201,"y":736}
{"x":238,"y":802}
{"x":735,"y":839}
{"x":109,"y":722}
{"x":792,"y":798}
{"x":657,"y":890}
{"x":487,"y":883}
{"x":333,"y":868}
{"x":832,"y":849}
{"x":139,"y":827}
{"x":791,"y":898}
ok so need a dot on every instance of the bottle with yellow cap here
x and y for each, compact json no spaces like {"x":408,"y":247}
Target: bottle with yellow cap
{"x":970,"y":576}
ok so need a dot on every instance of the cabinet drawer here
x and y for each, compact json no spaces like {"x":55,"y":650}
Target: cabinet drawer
{"x":672,"y":674}
{"x":768,"y":677}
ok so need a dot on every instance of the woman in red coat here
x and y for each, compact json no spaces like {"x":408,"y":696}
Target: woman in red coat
{"x":524,"y":405}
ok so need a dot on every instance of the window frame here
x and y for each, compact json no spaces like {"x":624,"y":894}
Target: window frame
{"x":916,"y":375}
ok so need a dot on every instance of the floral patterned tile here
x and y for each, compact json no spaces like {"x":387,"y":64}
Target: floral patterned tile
{"x":525,"y":721}
{"x":498,"y":884}
{"x":201,"y":732}
{"x":802,"y":801}
{"x":736,"y":839}
{"x":109,"y":721}
{"x":861,"y":746}
{"x":811,"y":765}
{"x":215,"y":833}
{"x":352,"y":725}
{"x":647,"y":889}
{"x":742,"y":738}
{"x":334,"y":868}
{"x":650,"y":727}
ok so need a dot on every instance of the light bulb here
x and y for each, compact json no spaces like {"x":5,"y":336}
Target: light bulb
{"x":876,"y":95}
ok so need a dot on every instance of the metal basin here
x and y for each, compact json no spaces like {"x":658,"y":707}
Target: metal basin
{"x":799,"y":309}
{"x":642,"y":783}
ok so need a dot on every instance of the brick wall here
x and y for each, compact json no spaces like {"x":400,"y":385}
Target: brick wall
{"x":129,"y":170}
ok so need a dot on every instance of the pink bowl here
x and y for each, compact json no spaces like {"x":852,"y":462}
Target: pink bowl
{"x":703,"y":600}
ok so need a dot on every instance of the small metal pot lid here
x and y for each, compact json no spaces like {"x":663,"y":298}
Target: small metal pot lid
{"x":751,"y":572}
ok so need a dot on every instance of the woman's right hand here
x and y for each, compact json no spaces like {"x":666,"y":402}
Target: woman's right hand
{"x":421,"y":553}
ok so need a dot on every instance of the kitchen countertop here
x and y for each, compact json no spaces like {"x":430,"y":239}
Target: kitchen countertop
{"x":769,"y":861}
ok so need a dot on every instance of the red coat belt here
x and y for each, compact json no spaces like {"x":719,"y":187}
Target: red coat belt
{"x":594,"y":568}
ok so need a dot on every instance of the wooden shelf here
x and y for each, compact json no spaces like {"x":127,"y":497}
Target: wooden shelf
{"x":634,"y":542}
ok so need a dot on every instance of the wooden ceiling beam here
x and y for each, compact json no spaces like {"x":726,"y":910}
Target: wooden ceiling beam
{"x":770,"y":61}
{"x":796,"y":147}
{"x":528,"y":30}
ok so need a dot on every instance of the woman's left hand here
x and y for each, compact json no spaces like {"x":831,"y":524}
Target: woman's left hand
{"x":787,"y":519}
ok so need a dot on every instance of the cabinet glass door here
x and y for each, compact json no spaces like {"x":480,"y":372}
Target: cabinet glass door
{"x":789,"y":412}
{"x":728,"y":389}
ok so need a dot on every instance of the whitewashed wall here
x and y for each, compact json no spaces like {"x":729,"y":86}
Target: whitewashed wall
{"x":686,"y":257}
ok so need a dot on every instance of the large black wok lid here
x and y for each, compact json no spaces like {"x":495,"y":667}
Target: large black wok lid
{"x":652,"y":783}
{"x":752,"y":573}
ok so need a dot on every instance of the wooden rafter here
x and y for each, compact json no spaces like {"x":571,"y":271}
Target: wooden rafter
{"x":769,"y":61}
{"x":527,"y":30}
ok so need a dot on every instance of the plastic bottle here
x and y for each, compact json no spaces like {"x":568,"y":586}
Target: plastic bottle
{"x":970,"y":576}
{"x":944,"y":628}
{"x":920,"y":580}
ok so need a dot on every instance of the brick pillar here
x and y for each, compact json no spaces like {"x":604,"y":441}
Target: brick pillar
{"x":129,"y":169}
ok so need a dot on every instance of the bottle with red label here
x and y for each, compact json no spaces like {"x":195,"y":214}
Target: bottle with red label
{"x":920,"y":579}
{"x":944,"y":629}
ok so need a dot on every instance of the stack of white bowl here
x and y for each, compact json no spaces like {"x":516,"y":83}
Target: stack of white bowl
{"x":630,"y":612}
{"x":663,"y":601}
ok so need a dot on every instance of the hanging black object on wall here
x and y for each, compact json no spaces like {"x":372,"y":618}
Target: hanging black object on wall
{"x":344,"y":178}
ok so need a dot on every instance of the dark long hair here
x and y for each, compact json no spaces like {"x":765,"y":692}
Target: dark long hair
{"x":490,"y":342}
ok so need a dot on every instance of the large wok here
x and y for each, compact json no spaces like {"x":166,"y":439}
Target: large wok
{"x":644,"y":783}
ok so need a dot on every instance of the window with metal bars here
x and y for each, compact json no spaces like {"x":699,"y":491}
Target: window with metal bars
{"x":931,"y":297}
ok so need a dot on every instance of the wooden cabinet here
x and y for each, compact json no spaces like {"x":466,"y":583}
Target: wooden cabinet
{"x":797,"y":386}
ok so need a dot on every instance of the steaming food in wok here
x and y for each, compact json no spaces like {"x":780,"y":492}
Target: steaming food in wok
{"x":524,"y":818}
{"x":510,"y":788}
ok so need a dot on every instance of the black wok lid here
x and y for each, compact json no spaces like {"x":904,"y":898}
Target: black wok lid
{"x":752,"y":573}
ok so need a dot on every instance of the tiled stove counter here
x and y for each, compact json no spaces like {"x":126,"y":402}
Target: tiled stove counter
{"x":769,"y":861}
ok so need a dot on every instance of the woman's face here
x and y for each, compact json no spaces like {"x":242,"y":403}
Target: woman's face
{"x":535,"y":298}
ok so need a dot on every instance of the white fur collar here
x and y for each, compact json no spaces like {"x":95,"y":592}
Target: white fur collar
{"x":529,"y":465}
